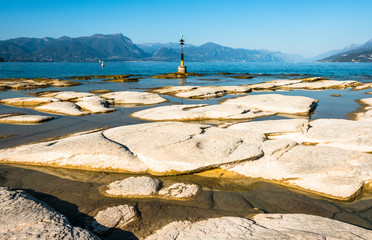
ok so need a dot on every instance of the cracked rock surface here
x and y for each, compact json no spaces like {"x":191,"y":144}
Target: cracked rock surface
{"x":23,"y":217}
{"x":278,"y":103}
{"x":188,"y":112}
{"x":262,"y":226}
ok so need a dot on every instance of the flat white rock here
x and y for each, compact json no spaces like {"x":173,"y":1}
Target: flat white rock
{"x":342,"y":133}
{"x":28,"y":101}
{"x":129,"y":97}
{"x":329,"y":171}
{"x":66,"y":108}
{"x":199,"y":112}
{"x":262,"y":226}
{"x":162,"y":148}
{"x":134,"y":186}
{"x":202,"y":93}
{"x":113,"y":217}
{"x":276,"y":103}
{"x":69,"y":95}
{"x":24,"y":217}
{"x":320,"y":85}
{"x":95,"y":104}
{"x":25,"y":119}
{"x":172,"y":147}
{"x":180,"y":191}
{"x":87,"y":151}
{"x":274,"y":127}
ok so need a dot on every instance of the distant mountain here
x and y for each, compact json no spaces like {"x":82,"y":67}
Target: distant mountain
{"x":212,"y":52}
{"x":116,"y":47}
{"x":353,"y":53}
{"x":112,"y":47}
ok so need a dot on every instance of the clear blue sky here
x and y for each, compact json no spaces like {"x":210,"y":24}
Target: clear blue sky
{"x":307,"y":27}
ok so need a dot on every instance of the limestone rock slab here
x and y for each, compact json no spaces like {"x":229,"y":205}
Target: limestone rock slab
{"x":113,"y":217}
{"x":162,"y":148}
{"x":66,"y":108}
{"x":201,"y":92}
{"x":95,"y":104}
{"x":342,"y":133}
{"x":199,"y":112}
{"x":274,"y":127}
{"x":87,"y":151}
{"x":28,"y":101}
{"x":134,"y":187}
{"x":24,"y":217}
{"x":276,"y":103}
{"x":320,"y":85}
{"x":130,"y":97}
{"x":180,"y":191}
{"x":173,"y":147}
{"x":333,"y":172}
{"x":68,"y":95}
{"x":25,"y":119}
{"x":262,"y":226}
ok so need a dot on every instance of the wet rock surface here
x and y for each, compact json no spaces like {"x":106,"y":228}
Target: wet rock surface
{"x":262,"y":226}
{"x":24,"y":217}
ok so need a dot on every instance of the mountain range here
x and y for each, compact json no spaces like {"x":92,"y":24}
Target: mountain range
{"x":116,"y":47}
{"x":353,"y":53}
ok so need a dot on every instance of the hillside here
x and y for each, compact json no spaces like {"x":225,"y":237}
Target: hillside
{"x":359,"y":54}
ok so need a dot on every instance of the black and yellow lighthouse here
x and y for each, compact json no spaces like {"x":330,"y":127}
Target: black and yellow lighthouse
{"x":182,"y":68}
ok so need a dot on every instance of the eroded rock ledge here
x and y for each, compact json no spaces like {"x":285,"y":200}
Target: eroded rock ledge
{"x":23,"y":217}
{"x":262,"y":226}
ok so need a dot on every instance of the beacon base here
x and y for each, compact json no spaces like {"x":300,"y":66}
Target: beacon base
{"x":182,"y":69}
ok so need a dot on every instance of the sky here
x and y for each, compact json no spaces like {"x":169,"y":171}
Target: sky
{"x":307,"y":27}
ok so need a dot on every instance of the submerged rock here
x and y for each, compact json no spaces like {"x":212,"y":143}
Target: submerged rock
{"x":113,"y":217}
{"x":24,"y":119}
{"x":189,"y":112}
{"x":129,"y":97}
{"x":66,"y":108}
{"x":276,"y":103}
{"x":134,"y":187}
{"x":262,"y":226}
{"x":23,"y":217}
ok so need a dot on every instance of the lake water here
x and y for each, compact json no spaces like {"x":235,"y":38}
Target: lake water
{"x":75,"y":193}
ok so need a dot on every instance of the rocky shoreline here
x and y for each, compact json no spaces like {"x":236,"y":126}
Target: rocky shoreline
{"x":325,"y":157}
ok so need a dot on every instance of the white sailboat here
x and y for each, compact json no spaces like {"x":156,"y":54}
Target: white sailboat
{"x":102,"y":65}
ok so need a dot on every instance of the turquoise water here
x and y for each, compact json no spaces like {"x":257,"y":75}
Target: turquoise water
{"x":328,"y":106}
{"x":356,"y":71}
